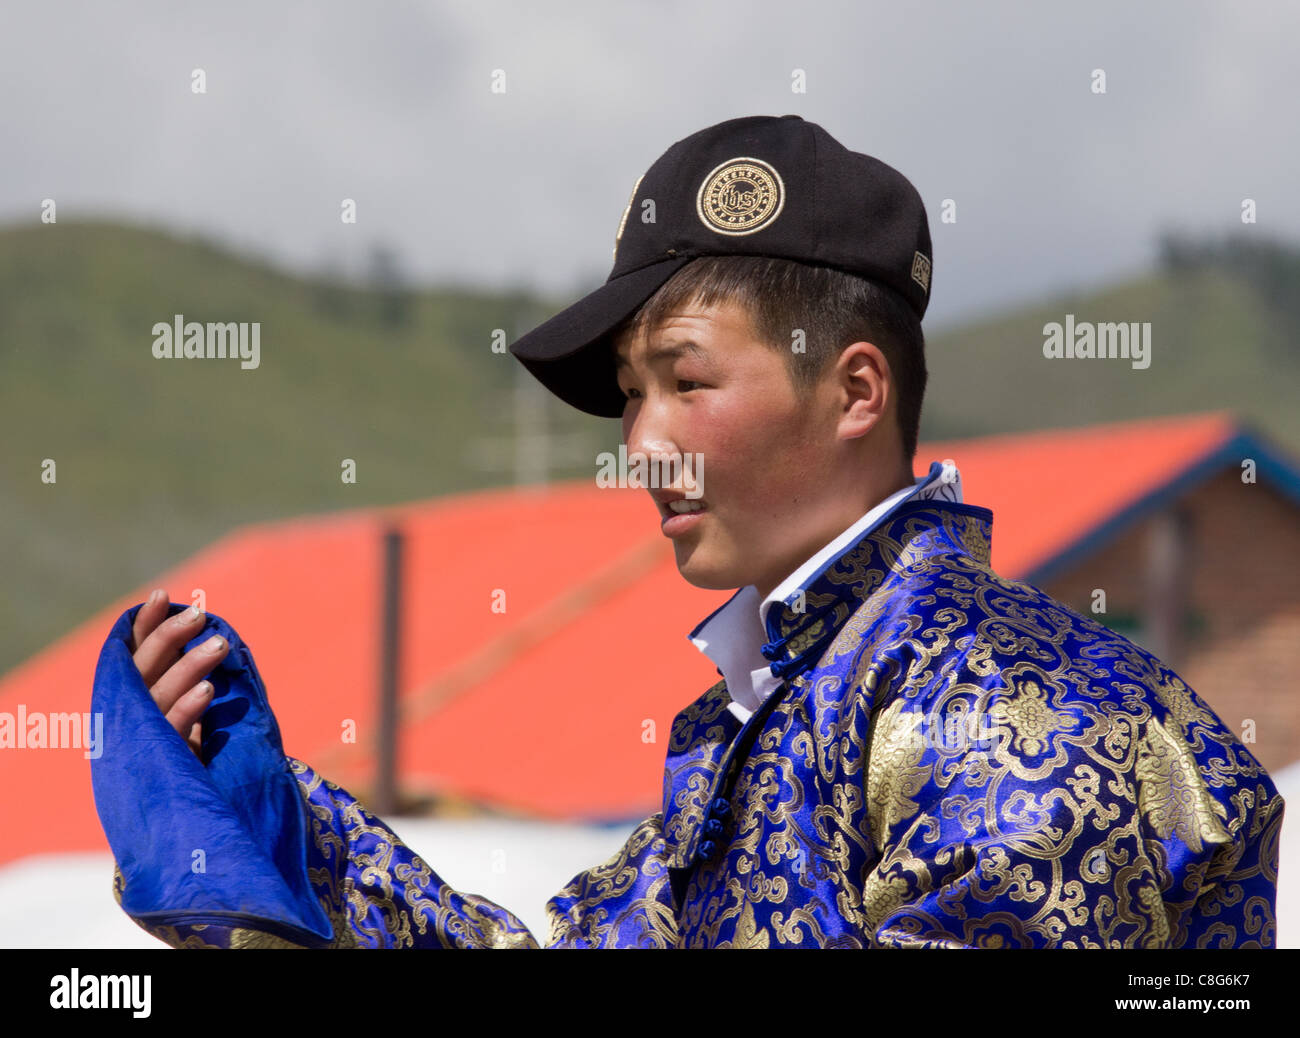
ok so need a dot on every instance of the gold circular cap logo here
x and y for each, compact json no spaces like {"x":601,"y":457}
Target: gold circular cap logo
{"x":740,"y":196}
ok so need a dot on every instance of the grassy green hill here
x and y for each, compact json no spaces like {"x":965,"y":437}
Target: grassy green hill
{"x":1216,"y":342}
{"x":157,"y":458}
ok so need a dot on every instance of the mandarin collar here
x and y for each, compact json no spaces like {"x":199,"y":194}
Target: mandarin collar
{"x":806,"y":611}
{"x":708,"y":744}
{"x":731,"y":636}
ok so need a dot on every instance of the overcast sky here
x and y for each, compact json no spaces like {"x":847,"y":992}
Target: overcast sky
{"x":391,"y":104}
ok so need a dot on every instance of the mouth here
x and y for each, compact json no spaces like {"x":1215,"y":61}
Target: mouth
{"x":678,"y":513}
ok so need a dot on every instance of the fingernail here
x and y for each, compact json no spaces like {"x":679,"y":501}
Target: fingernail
{"x":191,"y":614}
{"x":214,"y":644}
{"x":155,"y":594}
{"x":204,"y":689}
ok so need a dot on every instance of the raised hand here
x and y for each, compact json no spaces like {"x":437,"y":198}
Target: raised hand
{"x":175,"y":680}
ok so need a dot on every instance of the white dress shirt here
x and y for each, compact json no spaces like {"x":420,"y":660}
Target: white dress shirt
{"x":733,"y":636}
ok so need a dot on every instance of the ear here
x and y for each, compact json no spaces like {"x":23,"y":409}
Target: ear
{"x":865,"y":385}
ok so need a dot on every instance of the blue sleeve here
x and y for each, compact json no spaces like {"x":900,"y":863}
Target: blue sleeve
{"x":247,"y":847}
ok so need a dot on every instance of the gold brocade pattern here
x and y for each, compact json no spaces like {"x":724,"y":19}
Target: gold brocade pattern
{"x":748,"y":934}
{"x":686,"y":789}
{"x":240,"y":937}
{"x":217,"y":936}
{"x":579,"y":913}
{"x":952,"y":760}
{"x":366,"y":881}
{"x":1043,"y":825}
{"x":1174,"y":798}
{"x":194,"y":936}
{"x":896,"y":773}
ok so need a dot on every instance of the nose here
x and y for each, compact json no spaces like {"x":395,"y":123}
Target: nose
{"x":645,"y":431}
{"x":651,"y":445}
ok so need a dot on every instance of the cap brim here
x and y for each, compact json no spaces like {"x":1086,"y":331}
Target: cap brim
{"x":570,"y":354}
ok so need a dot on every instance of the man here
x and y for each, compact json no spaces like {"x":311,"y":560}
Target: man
{"x":905,"y":749}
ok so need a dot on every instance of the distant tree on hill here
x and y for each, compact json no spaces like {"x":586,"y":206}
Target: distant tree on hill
{"x":389,"y":286}
{"x":1270,"y":266}
{"x":330,"y":292}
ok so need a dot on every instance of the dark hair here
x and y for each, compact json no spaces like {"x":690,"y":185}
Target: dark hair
{"x":833,"y":308}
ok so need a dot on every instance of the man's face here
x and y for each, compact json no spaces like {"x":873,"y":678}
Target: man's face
{"x":700,"y":384}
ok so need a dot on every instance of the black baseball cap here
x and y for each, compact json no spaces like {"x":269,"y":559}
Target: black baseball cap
{"x":757,"y":186}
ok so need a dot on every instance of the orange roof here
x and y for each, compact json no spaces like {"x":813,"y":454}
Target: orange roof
{"x":1050,"y":489}
{"x":560,"y":705}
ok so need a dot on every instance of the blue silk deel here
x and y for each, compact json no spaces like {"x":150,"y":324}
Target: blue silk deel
{"x":952,"y":759}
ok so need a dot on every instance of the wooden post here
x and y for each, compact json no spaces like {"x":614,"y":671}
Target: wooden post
{"x":385,"y":801}
{"x":1168,"y":581}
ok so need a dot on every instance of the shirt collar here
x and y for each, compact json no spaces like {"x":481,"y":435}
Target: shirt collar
{"x":744,"y":637}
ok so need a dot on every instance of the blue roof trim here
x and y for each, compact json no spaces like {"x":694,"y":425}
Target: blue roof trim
{"x":1273,"y":466}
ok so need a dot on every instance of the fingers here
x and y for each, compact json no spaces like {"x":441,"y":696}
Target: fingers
{"x":149,"y":616}
{"x":179,"y":689}
{"x":175,"y":679}
{"x":161,"y":648}
{"x":195,"y":739}
{"x":185,"y":713}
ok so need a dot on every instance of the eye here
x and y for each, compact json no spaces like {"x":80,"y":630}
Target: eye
{"x":627,"y":393}
{"x":688,"y":383}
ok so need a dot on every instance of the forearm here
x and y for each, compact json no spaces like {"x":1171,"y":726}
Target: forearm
{"x":383,"y":893}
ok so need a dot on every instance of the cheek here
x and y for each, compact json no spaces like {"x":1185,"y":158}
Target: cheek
{"x":724,"y":431}
{"x":720,"y":434}
{"x":749,"y":454}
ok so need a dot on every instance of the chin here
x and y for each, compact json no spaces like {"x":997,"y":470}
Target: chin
{"x":711,"y":578}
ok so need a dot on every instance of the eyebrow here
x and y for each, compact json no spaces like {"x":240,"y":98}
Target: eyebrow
{"x":670,"y":352}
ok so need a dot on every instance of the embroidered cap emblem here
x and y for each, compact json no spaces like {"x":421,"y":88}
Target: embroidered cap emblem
{"x":741,"y":196}
{"x":921,"y":270}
